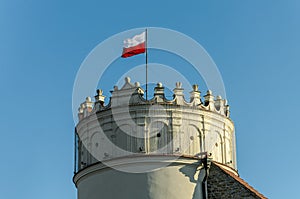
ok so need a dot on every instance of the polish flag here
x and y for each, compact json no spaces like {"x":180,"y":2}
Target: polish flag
{"x":134,"y":46}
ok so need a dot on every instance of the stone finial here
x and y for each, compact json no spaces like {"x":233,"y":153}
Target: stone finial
{"x":227,"y":111}
{"x":195,"y":97}
{"x":127,"y":79}
{"x":88,"y":99}
{"x":137,"y":84}
{"x":178,"y":90}
{"x":99,"y":91}
{"x":159,"y":91}
{"x":116,"y":88}
{"x":99,"y":98}
{"x":195,"y":87}
{"x":226,"y":108}
{"x":178,"y":84}
{"x":220,"y":105}
{"x":85,"y":108}
{"x":82,"y":106}
{"x":127,"y":85}
{"x":209,"y":100}
{"x":88,"y":105}
{"x":178,"y":93}
{"x":80,"y":111}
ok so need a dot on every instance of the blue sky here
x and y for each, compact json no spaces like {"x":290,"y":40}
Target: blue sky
{"x":255,"y":45}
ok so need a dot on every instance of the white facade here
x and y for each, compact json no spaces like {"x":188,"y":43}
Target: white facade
{"x":181,"y":179}
{"x":131,"y":128}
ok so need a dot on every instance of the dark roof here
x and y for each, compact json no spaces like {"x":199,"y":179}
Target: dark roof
{"x":223,"y":183}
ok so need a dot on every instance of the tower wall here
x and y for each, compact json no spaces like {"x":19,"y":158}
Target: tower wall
{"x":115,"y":137}
{"x":181,"y":179}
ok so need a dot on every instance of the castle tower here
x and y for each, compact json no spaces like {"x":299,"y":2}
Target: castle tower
{"x":156,"y":149}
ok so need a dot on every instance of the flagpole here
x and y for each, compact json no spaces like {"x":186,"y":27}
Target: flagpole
{"x":146,"y":64}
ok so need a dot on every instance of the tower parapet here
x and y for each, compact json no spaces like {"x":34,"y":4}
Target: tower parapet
{"x":135,"y":92}
{"x":130,"y":125}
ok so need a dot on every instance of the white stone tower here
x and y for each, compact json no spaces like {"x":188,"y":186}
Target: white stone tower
{"x":151,"y":149}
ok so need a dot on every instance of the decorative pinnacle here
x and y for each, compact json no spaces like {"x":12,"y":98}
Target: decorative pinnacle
{"x":209,"y":100}
{"x":99,"y":91}
{"x":209,"y":92}
{"x":137,"y":84}
{"x":178,"y":92}
{"x":100,"y":97}
{"x":127,"y":79}
{"x":195,"y":87}
{"x":218,"y":97}
{"x":195,"y":97}
{"x":159,"y":91}
{"x":178,"y":84}
{"x":88,"y":99}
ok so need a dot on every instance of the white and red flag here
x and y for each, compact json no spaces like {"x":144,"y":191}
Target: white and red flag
{"x":135,"y":45}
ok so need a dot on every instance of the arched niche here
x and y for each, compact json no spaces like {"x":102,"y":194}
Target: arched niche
{"x":97,"y":146}
{"x":228,"y":150}
{"x":160,"y":140}
{"x":214,"y":145}
{"x":124,"y":140}
{"x":192,"y":140}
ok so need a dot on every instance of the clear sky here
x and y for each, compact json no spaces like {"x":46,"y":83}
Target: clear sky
{"x":255,"y":44}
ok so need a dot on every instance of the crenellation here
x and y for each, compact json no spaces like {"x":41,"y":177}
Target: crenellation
{"x":178,"y":94}
{"x":227,"y":112}
{"x":80,"y":111}
{"x":85,"y":108}
{"x":195,"y":96}
{"x":99,"y":100}
{"x":133,"y":94}
{"x":159,"y":93}
{"x":220,"y":105}
{"x":209,"y":101}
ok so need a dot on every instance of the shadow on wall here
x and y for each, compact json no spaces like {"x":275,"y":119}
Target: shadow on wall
{"x":195,"y":175}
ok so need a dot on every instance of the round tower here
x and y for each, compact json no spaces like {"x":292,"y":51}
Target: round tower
{"x":154,"y":149}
